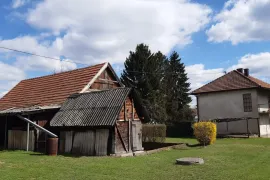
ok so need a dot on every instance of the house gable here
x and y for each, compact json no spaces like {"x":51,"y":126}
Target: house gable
{"x":106,"y":78}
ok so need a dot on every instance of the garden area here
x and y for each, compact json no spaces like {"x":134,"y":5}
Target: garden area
{"x":226,"y":159}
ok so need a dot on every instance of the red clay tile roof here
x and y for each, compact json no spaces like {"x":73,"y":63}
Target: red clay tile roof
{"x":48,"y":90}
{"x":234,"y":80}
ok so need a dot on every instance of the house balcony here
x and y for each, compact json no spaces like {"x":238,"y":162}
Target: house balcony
{"x":263,"y":108}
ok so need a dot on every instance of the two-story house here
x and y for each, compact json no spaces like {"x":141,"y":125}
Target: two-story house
{"x":234,"y":96}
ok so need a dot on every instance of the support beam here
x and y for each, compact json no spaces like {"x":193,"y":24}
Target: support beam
{"x":6,"y":133}
{"x":27,"y":137}
{"x":37,"y":126}
{"x":258,"y":123}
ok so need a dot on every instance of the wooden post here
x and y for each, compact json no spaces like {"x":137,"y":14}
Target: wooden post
{"x":27,"y":136}
{"x":6,"y":134}
{"x":125,"y":114}
{"x":227,"y":126}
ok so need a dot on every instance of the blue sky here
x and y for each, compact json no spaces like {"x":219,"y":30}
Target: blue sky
{"x":211,"y":36}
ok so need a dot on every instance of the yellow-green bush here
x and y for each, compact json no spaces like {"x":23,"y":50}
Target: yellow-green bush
{"x":205,"y":132}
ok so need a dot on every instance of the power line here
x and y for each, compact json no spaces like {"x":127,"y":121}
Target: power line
{"x":71,"y":61}
{"x":47,"y":57}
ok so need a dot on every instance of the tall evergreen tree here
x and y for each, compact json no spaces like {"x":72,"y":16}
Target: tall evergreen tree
{"x":177,"y":88}
{"x":144,"y":71}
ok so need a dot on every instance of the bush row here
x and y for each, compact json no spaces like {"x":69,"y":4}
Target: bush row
{"x":153,"y":133}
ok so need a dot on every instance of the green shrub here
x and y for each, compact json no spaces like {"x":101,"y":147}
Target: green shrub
{"x":205,"y":132}
{"x":153,"y":133}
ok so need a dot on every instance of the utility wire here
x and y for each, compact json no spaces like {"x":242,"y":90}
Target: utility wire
{"x":67,"y":60}
{"x":47,"y":57}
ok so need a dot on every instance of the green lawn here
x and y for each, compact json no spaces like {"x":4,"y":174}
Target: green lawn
{"x":227,"y":159}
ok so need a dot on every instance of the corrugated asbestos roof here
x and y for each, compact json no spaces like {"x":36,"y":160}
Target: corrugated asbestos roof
{"x":100,"y":108}
{"x":48,"y":90}
{"x":234,"y":80}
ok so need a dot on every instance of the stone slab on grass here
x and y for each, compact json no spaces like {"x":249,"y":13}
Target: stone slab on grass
{"x":189,"y":161}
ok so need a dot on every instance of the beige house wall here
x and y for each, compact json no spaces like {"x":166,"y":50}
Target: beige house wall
{"x":229,"y":104}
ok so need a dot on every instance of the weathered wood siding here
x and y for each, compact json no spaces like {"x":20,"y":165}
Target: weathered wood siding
{"x":17,"y":139}
{"x":129,"y":107}
{"x":89,"y":143}
{"x":121,"y":136}
{"x":137,"y":136}
{"x":101,"y":84}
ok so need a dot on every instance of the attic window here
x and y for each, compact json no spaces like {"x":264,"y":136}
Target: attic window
{"x":247,"y":101}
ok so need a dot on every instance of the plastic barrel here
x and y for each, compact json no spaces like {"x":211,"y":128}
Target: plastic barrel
{"x":52,"y":146}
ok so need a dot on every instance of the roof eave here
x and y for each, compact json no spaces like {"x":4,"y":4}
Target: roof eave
{"x":195,"y":94}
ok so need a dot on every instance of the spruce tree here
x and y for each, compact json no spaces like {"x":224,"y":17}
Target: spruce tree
{"x":177,"y":89}
{"x":144,"y":71}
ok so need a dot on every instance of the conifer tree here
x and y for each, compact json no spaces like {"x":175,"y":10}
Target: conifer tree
{"x":177,"y":89}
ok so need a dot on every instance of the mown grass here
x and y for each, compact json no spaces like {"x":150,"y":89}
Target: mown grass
{"x":227,"y":159}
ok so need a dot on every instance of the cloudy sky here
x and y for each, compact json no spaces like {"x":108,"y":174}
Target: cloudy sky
{"x":211,"y":36}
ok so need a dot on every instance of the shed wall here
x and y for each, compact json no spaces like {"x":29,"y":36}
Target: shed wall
{"x":129,"y":107}
{"x":122,"y":137}
{"x":94,"y":142}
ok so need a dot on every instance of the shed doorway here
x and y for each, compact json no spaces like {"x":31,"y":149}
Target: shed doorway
{"x":137,"y":136}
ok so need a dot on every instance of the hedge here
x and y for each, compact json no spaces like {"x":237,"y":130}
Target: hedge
{"x":180,"y":129}
{"x":153,"y":133}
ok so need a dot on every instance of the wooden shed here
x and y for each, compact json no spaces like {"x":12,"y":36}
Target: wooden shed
{"x":39,"y":99}
{"x":99,"y":123}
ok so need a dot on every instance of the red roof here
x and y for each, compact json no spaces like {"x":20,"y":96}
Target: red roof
{"x":48,"y":90}
{"x":233,"y":80}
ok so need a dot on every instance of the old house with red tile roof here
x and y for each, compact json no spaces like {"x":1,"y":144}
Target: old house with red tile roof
{"x":85,"y":103}
{"x":238,"y":101}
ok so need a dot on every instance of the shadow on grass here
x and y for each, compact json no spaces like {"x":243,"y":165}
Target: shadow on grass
{"x":194,"y":145}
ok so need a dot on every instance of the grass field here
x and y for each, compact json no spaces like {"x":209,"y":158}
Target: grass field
{"x":227,"y":159}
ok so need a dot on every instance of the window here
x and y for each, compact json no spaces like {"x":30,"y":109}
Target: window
{"x":247,"y":102}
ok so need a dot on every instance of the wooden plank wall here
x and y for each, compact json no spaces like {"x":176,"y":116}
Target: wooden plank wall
{"x":87,"y":143}
{"x":101,"y":84}
{"x":17,"y":140}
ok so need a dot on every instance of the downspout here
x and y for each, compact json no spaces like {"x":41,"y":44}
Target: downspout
{"x":37,"y":126}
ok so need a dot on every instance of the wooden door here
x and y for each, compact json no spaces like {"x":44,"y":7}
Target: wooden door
{"x":137,"y":136}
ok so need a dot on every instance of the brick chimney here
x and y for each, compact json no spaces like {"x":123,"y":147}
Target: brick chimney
{"x":246,"y":72}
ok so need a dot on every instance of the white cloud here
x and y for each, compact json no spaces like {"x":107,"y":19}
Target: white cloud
{"x":11,"y":73}
{"x":19,"y":3}
{"x":242,"y":21}
{"x":9,"y":77}
{"x":198,"y":75}
{"x":106,"y":30}
{"x":34,"y":63}
{"x":259,"y":64}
